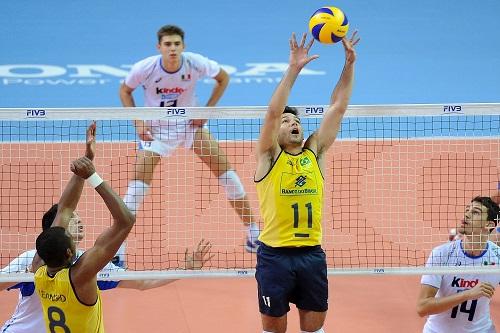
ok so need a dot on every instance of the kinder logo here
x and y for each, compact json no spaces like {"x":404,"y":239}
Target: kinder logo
{"x":452,"y":109}
{"x":314,"y":110}
{"x":175,"y":90}
{"x":35,"y":113}
{"x":462,"y":283}
{"x":175,"y":112}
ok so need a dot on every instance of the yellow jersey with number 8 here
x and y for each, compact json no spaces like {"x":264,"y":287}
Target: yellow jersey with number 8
{"x":291,"y":201}
{"x":62,"y":310}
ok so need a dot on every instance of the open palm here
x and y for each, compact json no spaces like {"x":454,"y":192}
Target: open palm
{"x":299,"y":53}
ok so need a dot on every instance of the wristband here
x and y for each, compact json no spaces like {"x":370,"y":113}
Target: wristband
{"x":95,"y":180}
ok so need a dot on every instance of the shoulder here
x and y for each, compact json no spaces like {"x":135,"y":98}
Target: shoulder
{"x":442,"y":251}
{"x":312,"y":143}
{"x":194,"y":56}
{"x":20,"y":263}
{"x":494,"y":249}
{"x":110,"y":267}
{"x":309,"y":153}
{"x":198,"y":61}
{"x":28,"y":255}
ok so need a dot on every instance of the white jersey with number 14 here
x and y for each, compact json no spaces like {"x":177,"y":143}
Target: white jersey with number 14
{"x":471,"y":316}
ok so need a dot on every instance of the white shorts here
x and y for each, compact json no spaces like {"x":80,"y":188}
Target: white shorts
{"x":168,"y":135}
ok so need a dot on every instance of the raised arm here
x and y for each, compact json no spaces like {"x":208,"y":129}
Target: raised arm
{"x":320,"y":141}
{"x":110,"y":240}
{"x":267,"y":146}
{"x":71,"y":195}
{"x":73,"y":190}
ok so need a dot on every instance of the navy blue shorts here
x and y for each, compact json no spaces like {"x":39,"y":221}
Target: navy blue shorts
{"x":291,"y":275}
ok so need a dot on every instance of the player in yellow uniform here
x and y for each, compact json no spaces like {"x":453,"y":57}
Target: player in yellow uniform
{"x":291,"y":265}
{"x":68,"y":292}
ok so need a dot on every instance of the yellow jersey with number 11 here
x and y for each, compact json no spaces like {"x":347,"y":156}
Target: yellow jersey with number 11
{"x":291,"y":201}
{"x":62,"y":310}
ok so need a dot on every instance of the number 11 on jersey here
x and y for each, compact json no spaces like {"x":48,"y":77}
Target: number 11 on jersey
{"x":295,"y":207}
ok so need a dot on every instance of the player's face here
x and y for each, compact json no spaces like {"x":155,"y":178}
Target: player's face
{"x":171,"y":48}
{"x":75,"y":228}
{"x":290,"y":131}
{"x":72,"y":254}
{"x":475,"y":220}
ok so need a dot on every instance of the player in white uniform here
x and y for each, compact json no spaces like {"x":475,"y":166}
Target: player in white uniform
{"x":461,"y":302}
{"x":169,"y":80}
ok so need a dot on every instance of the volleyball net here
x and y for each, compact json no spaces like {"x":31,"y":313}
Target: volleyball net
{"x":397,"y":179}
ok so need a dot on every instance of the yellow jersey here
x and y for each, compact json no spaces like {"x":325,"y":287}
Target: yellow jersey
{"x":62,"y":311}
{"x":291,"y":201}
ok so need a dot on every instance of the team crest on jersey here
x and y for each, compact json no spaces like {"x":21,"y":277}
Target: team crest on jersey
{"x":305,"y":161}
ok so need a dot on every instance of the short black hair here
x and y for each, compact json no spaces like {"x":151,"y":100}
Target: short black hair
{"x":170,"y":30}
{"x":492,"y":207}
{"x":52,"y":246}
{"x":49,"y":217}
{"x":292,"y":110}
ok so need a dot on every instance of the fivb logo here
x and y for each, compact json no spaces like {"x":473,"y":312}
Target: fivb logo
{"x":175,"y":112}
{"x":452,"y":109}
{"x":314,"y":110}
{"x":35,"y":113}
{"x":462,"y":283}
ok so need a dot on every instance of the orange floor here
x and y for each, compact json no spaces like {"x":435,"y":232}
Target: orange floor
{"x":371,"y":304}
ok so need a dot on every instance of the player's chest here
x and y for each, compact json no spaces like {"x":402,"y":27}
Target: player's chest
{"x":456,"y":283}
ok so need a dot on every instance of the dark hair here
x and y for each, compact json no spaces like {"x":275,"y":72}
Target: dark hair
{"x":49,"y":217}
{"x":492,"y":206}
{"x":52,"y":246}
{"x":292,"y":110}
{"x":169,"y":30}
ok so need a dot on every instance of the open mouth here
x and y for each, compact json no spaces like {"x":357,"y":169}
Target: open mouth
{"x":295,"y":131}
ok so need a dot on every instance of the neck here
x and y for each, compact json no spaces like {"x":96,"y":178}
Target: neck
{"x":171,"y":65}
{"x":293,"y":149}
{"x":474,"y":245}
{"x":53,"y":270}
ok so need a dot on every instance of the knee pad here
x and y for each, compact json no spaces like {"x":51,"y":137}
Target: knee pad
{"x":232,"y":185}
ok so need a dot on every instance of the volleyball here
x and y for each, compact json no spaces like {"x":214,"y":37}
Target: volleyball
{"x":328,"y":25}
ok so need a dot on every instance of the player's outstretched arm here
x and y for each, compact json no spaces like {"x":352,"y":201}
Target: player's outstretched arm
{"x":339,"y":100}
{"x":299,"y":57}
{"x":194,"y":260}
{"x":73,"y":191}
{"x":429,"y":304}
{"x":110,"y":240}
